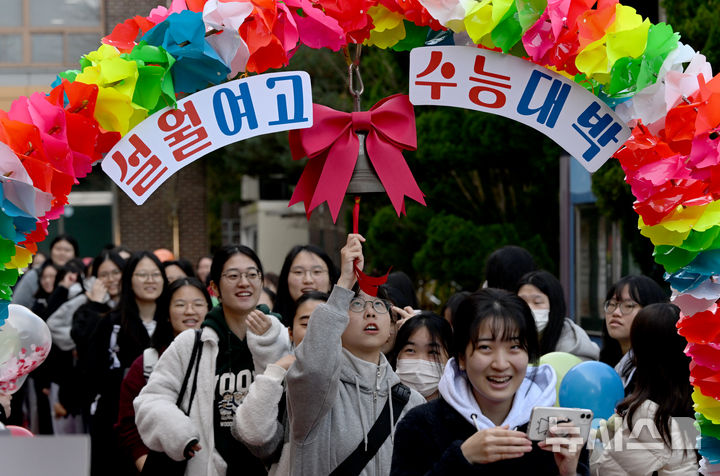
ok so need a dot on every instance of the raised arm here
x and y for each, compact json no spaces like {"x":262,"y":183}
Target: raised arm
{"x":314,"y":379}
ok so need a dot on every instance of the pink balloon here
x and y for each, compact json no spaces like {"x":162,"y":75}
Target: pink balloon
{"x":19,"y":431}
{"x":24,"y":344}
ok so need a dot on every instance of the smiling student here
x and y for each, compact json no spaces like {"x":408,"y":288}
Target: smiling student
{"x":341,"y":386}
{"x":487,"y":394}
{"x":224,"y":373}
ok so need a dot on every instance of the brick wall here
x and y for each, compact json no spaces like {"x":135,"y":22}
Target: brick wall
{"x":149,"y":226}
{"x":117,"y":11}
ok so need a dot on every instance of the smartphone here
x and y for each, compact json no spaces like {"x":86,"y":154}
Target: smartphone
{"x":544,"y":418}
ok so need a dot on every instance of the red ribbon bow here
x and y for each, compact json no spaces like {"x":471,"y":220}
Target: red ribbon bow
{"x":333,"y":146}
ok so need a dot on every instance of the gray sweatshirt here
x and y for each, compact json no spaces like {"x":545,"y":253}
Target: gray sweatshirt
{"x":334,"y":397}
{"x":574,"y":340}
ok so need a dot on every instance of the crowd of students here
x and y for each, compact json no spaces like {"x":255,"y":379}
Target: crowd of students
{"x":235,"y":373}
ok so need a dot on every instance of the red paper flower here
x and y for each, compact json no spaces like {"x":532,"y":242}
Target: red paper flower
{"x":353,"y":17}
{"x":413,"y":11}
{"x":259,"y":32}
{"x":702,"y":327}
{"x":124,"y":34}
{"x":707,"y":379}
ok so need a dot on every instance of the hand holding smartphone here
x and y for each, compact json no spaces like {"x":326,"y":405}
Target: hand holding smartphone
{"x":578,"y":421}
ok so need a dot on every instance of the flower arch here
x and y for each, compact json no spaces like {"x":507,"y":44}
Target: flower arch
{"x":660,"y":87}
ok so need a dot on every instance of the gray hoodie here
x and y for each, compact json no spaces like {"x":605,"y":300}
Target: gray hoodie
{"x":334,"y":397}
{"x":574,"y":340}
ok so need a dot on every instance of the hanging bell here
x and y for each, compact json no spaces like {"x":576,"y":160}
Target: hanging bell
{"x":364,"y":179}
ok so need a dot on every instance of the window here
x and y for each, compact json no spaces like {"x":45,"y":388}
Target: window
{"x":49,"y":33}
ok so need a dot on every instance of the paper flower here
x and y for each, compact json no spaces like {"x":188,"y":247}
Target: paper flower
{"x":352,"y":16}
{"x":197,"y":65}
{"x":630,"y":74}
{"x":226,"y":18}
{"x":701,"y":328}
{"x":708,"y":381}
{"x":449,"y":13}
{"x":124,"y":34}
{"x":660,"y":235}
{"x":389,"y":27}
{"x":413,"y":11}
{"x":690,"y":305}
{"x":708,"y":406}
{"x":315,"y":27}
{"x":625,"y":36}
{"x":116,"y":78}
{"x":160,"y":13}
{"x":268,"y":44}
{"x":154,"y":86}
{"x":482,"y":17}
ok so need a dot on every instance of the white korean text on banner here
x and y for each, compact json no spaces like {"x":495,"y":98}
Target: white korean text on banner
{"x":483,"y":80}
{"x":173,"y":138}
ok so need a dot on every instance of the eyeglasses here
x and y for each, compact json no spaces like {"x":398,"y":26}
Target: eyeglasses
{"x":378,"y":305}
{"x":111,"y":274}
{"x":315,"y":272}
{"x":626,"y":307}
{"x":234,"y":275}
{"x":156,"y":276}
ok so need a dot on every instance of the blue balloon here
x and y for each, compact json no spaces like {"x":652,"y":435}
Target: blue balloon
{"x":592,"y":385}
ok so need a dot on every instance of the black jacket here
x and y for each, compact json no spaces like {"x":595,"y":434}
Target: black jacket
{"x":428,"y":439}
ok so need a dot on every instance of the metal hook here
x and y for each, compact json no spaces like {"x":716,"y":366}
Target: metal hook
{"x":355,"y":83}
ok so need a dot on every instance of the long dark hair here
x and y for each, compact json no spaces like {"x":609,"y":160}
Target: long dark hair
{"x":284,"y":304}
{"x":129,"y":311}
{"x":662,"y":370}
{"x":643,"y":291}
{"x":438,"y":328}
{"x":551,"y":287}
{"x":509,"y":317}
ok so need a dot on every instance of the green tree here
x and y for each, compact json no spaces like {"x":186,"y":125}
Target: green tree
{"x":698,"y":22}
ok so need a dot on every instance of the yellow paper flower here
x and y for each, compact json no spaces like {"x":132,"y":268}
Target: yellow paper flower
{"x":659,"y":235}
{"x":627,"y":36}
{"x":116,"y":79}
{"x":709,"y":218}
{"x":115,"y":111}
{"x":389,"y":27}
{"x":21,"y":259}
{"x":482,"y":17}
{"x":708,"y":406}
{"x":683,"y":218}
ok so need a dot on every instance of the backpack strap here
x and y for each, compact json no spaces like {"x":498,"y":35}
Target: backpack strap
{"x":194,"y":360}
{"x":379,"y":432}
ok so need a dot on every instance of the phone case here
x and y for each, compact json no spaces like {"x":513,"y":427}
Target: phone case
{"x":542,"y":418}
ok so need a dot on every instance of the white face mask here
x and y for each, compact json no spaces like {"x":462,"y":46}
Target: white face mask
{"x":542,"y":316}
{"x":421,"y":375}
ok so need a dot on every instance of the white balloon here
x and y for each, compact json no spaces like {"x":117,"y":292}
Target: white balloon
{"x":29,"y":342}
